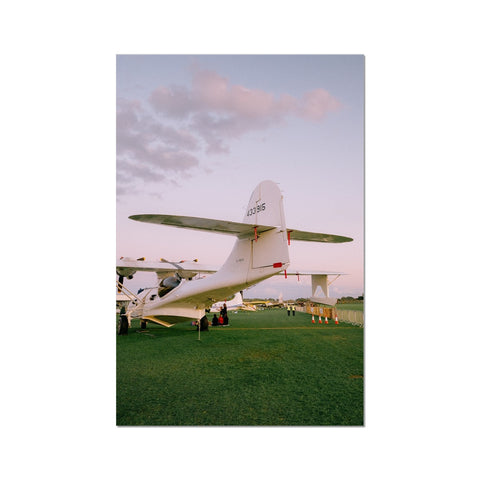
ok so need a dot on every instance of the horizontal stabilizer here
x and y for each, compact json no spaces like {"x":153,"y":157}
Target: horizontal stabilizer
{"x":317,"y":237}
{"x":233,"y":228}
{"x":325,"y":300}
{"x":206,"y":224}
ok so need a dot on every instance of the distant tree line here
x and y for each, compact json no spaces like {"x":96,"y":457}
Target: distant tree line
{"x":340,"y":300}
{"x":351,"y":299}
{"x":358,"y":299}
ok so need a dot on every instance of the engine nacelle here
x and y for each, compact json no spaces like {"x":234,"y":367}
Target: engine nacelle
{"x":126,"y":272}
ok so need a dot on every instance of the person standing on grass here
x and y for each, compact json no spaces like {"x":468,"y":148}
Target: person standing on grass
{"x":204,"y":324}
{"x":123,"y":327}
{"x":288,"y":310}
{"x":293,"y":310}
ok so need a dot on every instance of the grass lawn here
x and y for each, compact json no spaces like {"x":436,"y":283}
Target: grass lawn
{"x":350,"y":306}
{"x":264,"y":369}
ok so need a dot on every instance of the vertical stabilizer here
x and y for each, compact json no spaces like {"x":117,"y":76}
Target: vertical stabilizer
{"x":260,"y":255}
{"x":265,"y":206}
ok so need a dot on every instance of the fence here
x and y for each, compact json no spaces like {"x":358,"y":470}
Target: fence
{"x":355,"y":317}
{"x":320,"y":311}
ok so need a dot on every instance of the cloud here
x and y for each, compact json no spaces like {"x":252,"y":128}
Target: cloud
{"x":212,"y":93}
{"x":141,"y":171}
{"x":315,"y":104}
{"x":218,"y":111}
{"x":147,"y":149}
{"x":164,"y":136}
{"x":173,"y":102}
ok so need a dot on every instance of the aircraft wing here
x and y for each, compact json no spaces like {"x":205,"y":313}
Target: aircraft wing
{"x":317,"y":237}
{"x":128,"y":266}
{"x":205,"y":224}
{"x":310,"y":272}
{"x":319,"y":283}
{"x":233,"y":228}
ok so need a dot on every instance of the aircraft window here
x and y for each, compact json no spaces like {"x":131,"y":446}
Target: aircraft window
{"x":152,"y":297}
{"x":168,"y":284}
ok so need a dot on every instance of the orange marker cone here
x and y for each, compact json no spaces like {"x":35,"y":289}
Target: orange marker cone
{"x":336,"y":320}
{"x":313,"y":318}
{"x":319,"y":319}
{"x":326,"y":321}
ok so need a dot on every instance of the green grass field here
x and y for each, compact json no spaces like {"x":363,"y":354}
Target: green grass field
{"x":350,"y":306}
{"x":264,"y":369}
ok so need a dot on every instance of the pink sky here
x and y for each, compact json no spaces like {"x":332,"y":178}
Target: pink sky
{"x":195,"y":135}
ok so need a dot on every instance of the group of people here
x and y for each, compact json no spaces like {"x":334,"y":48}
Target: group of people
{"x":222,"y":319}
{"x":291,"y":308}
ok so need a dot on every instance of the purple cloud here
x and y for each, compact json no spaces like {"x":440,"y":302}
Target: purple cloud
{"x":162,"y":138}
{"x":218,"y":111}
{"x":147,"y":149}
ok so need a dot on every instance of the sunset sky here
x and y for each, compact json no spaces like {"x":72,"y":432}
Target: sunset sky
{"x":196,"y":134}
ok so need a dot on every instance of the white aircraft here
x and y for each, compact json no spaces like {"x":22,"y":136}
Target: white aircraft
{"x":186,"y":289}
{"x":236,"y":303}
{"x":265,"y":303}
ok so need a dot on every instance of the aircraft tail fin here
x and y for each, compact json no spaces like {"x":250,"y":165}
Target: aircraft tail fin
{"x":265,"y":206}
{"x":258,"y":254}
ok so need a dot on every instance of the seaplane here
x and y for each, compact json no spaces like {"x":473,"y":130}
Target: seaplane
{"x":185,"y":290}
